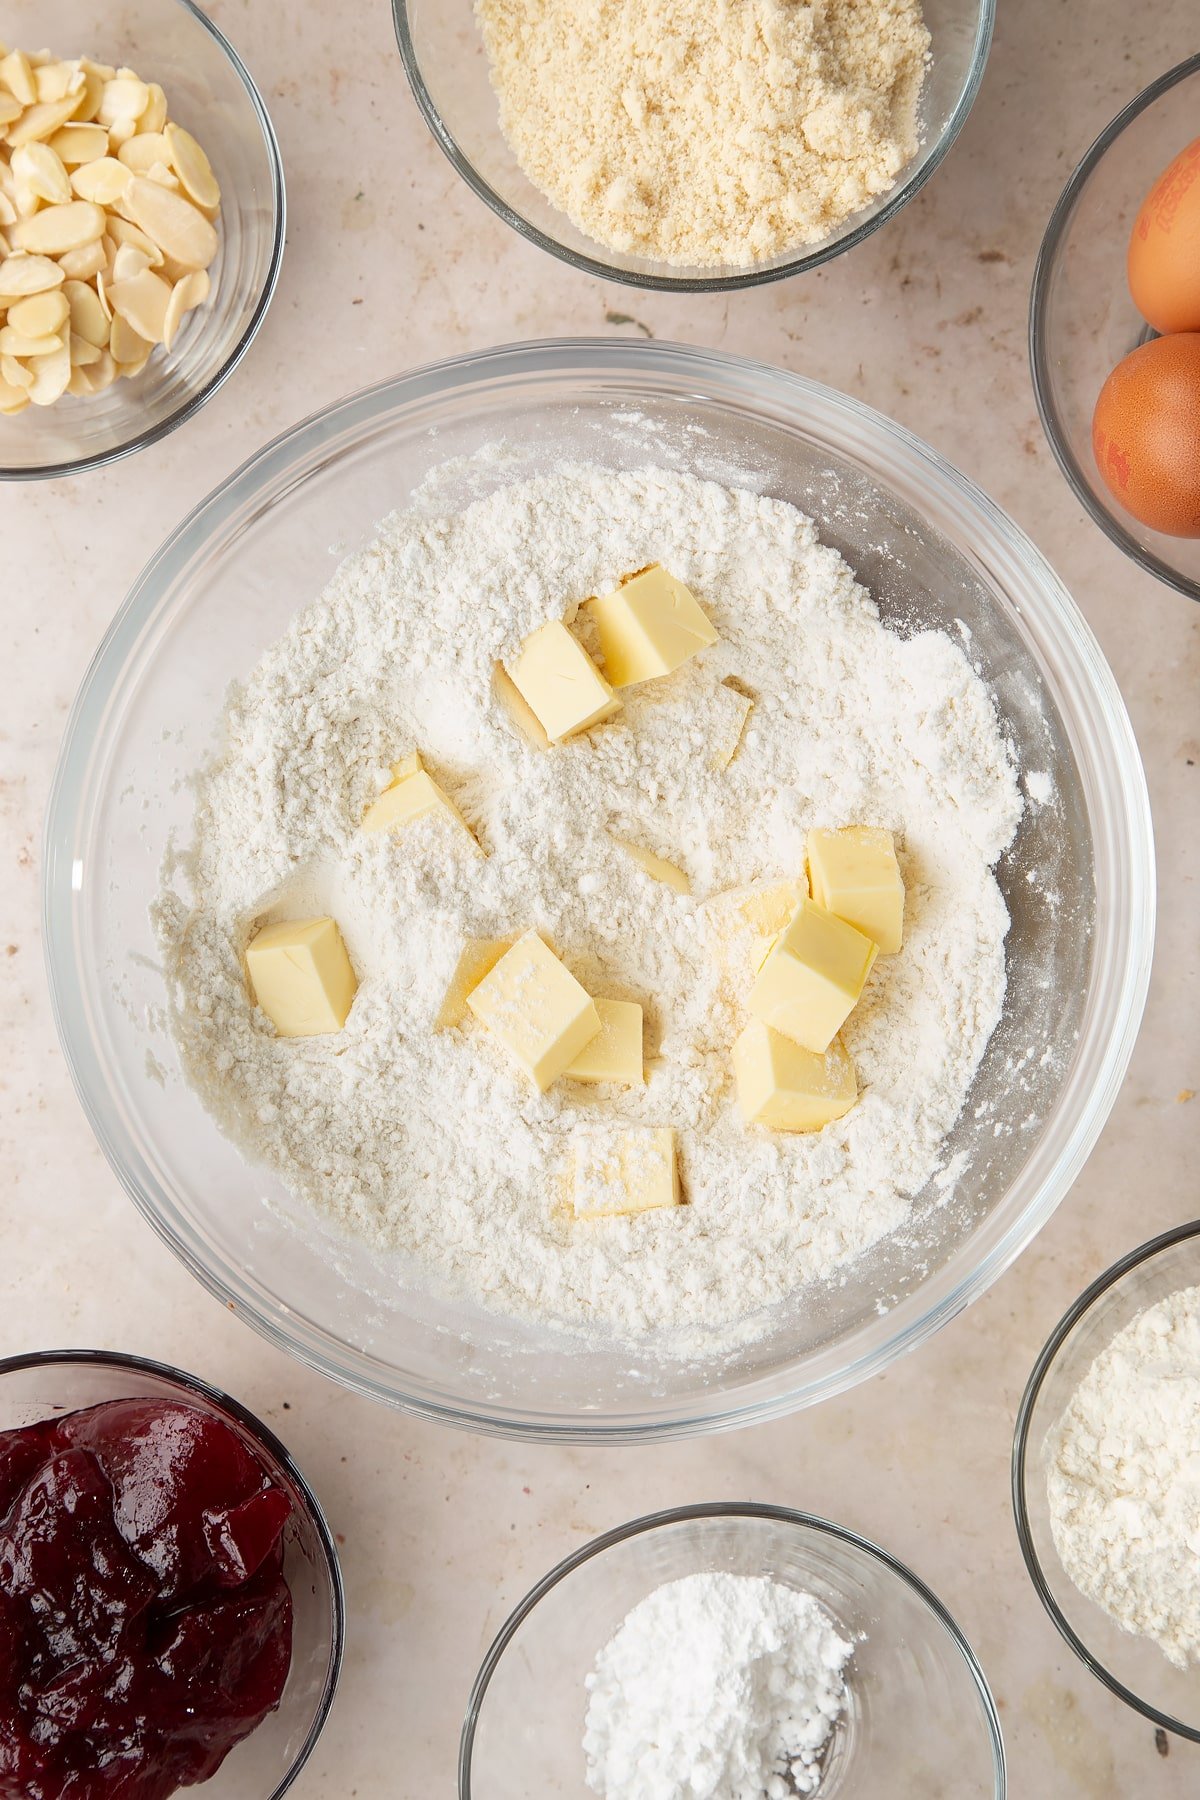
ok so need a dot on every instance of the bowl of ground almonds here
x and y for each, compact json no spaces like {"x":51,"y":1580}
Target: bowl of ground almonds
{"x":664,"y":146}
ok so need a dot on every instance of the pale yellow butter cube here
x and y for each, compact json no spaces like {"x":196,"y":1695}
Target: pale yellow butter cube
{"x":634,"y":1172}
{"x":301,"y":976}
{"x":558,"y":680}
{"x":811,"y":981}
{"x":413,"y":793}
{"x":656,"y":866}
{"x":537,"y":1009}
{"x":520,"y":714}
{"x":730,"y":710}
{"x":615,"y":1053}
{"x":788,"y":1088}
{"x":478,"y":958}
{"x":649,"y":626}
{"x":855,"y":874}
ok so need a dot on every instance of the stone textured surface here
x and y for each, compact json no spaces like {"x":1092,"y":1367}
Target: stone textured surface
{"x":391,"y":262}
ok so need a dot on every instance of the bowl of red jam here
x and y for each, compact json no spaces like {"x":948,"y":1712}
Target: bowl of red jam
{"x":171,"y":1610}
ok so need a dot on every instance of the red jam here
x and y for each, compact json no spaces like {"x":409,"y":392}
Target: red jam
{"x":145,"y":1623}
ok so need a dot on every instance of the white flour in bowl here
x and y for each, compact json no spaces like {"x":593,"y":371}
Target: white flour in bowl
{"x":431,"y":1144}
{"x":715,"y":1687}
{"x":1123,"y":1478}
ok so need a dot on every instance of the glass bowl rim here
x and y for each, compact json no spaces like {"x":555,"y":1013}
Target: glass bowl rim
{"x":1039,"y":366}
{"x":187,"y":409}
{"x":272,"y":467}
{"x":725,"y":1509}
{"x":1091,"y":1295}
{"x":128,"y":1362}
{"x":753,"y":276}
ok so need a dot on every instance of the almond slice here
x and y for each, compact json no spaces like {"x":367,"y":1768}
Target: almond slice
{"x":93,"y":378}
{"x":14,"y":372}
{"x":42,"y":121}
{"x":79,"y":265}
{"x":103,"y":181}
{"x":128,"y":262}
{"x":55,"y":80}
{"x":141,"y":302}
{"x":193,"y":168}
{"x":20,"y":275}
{"x":41,"y":170}
{"x":10,"y":109}
{"x":144,"y":150}
{"x":179,"y":229}
{"x":51,"y":373}
{"x":83,"y":352}
{"x":190,"y":292}
{"x":16,"y":74}
{"x":15,"y":343}
{"x":12,"y":399}
{"x":59,"y":229}
{"x":127,"y":344}
{"x":40,"y":315}
{"x":124,"y":97}
{"x":155,"y":115}
{"x":90,"y":94}
{"x":78,"y":144}
{"x":88,"y":318}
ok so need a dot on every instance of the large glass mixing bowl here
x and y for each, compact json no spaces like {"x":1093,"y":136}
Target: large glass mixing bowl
{"x":1079,"y":879}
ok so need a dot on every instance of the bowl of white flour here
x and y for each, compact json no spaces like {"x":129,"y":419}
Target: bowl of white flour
{"x":385,"y":1202}
{"x":721,"y":1651}
{"x":1106,"y":1478}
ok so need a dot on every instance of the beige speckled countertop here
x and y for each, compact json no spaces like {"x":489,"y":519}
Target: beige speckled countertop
{"x":391,"y":262}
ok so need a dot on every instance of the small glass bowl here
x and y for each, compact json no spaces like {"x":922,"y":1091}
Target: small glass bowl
{"x":447,"y":69}
{"x":211,"y":93}
{"x":1134,"y":1668}
{"x":1082,"y":320}
{"x":264,"y":1765}
{"x":919,"y":1713}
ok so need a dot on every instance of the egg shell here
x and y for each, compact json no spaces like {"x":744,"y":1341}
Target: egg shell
{"x":1163,"y":263}
{"x":1146,"y":434}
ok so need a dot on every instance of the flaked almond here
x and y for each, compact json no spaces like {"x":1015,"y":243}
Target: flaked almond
{"x":10,"y":109}
{"x":16,"y":343}
{"x":58,"y":229}
{"x":128,"y":262}
{"x":55,"y":80}
{"x":88,"y":318}
{"x":180,"y":229}
{"x":124,"y":97}
{"x":14,"y":372}
{"x":81,"y":265}
{"x":21,"y":275}
{"x":51,"y":373}
{"x":12,"y":399}
{"x":141,"y":302}
{"x":16,"y":74}
{"x":188,"y":293}
{"x":78,"y":144}
{"x":41,"y":315}
{"x":40,"y":169}
{"x":42,"y":121}
{"x":103,"y":181}
{"x":83,"y":351}
{"x":124,"y":231}
{"x":144,"y":150}
{"x":193,"y":168}
{"x":155,"y":115}
{"x":127,"y":343}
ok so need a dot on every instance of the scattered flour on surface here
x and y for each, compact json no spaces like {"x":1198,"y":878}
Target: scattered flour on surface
{"x":429,"y":1144}
{"x":697,"y":134}
{"x":715,"y":1687}
{"x":1123,"y":1478}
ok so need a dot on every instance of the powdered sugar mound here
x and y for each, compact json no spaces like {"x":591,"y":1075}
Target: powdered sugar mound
{"x":430,"y":1144}
{"x":1123,"y":1478}
{"x":715,"y":1687}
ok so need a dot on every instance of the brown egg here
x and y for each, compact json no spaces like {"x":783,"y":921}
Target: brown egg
{"x":1146,"y":434}
{"x":1164,"y":248}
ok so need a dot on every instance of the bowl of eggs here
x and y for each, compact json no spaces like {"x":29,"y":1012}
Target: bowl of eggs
{"x":1115,"y":329}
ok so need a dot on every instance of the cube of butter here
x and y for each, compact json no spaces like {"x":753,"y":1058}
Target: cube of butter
{"x":301,"y":976}
{"x":729,"y":709}
{"x":656,"y":866}
{"x":788,"y":1088}
{"x":413,"y":793}
{"x":854,"y":873}
{"x":478,"y":958}
{"x":649,"y":626}
{"x":809,"y":984}
{"x":537,"y":1009}
{"x":632,"y":1173}
{"x":561,"y":684}
{"x":520,"y":714}
{"x":615,"y":1053}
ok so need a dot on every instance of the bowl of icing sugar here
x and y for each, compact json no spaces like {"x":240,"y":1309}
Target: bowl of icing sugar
{"x":730,"y":1650}
{"x":1106,"y":1478}
{"x":381,"y":1202}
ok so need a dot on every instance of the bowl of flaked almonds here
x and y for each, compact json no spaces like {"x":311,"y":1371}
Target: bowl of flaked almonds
{"x":141,"y":226}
